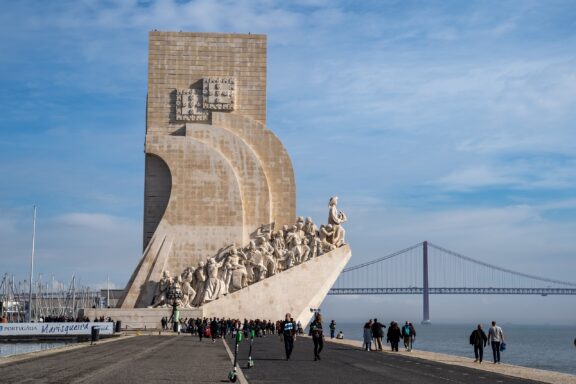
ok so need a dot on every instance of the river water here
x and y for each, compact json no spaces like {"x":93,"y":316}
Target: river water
{"x":17,"y":348}
{"x":546,"y":347}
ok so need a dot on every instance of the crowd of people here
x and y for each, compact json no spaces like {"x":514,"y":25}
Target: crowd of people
{"x":373,"y":333}
{"x":288,"y":329}
{"x":215,"y":328}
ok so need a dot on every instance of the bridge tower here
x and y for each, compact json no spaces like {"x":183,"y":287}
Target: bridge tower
{"x":426,"y":288}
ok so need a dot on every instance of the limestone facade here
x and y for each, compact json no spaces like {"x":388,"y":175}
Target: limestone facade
{"x":214,"y":172}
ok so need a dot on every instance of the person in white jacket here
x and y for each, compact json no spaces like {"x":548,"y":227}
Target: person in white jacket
{"x":495,"y":339}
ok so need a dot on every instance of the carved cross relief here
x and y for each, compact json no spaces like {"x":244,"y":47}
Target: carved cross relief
{"x":216,"y":94}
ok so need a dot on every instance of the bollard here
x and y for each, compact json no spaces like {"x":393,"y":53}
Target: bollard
{"x":94,"y":334}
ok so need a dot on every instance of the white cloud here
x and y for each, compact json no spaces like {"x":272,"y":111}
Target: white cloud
{"x":474,"y":177}
{"x":95,"y":221}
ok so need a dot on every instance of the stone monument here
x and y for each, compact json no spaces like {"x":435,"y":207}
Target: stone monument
{"x":220,"y":228}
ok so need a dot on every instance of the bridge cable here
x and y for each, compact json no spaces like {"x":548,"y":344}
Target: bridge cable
{"x":381,"y":259}
{"x":493,"y":267}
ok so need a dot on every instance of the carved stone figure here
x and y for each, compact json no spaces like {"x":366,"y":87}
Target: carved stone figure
{"x":258,"y":265}
{"x":200,"y":278}
{"x":296,"y":243}
{"x":305,"y":249}
{"x":279,"y":249}
{"x":264,"y":231}
{"x":187,"y":288}
{"x":160,"y":298}
{"x":175,"y":294}
{"x":226,"y":272}
{"x":267,"y":254}
{"x":326,"y":234}
{"x":249,"y":253}
{"x":213,"y":287}
{"x":289,"y":260}
{"x":239,"y":277}
{"x":336,"y":218}
{"x":311,"y":233}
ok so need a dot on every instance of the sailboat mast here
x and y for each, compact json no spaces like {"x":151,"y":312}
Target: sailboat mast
{"x":32,"y":266}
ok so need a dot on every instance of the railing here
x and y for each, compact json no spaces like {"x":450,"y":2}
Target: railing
{"x":453,"y":291}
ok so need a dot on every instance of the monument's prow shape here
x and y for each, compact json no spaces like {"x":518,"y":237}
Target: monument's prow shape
{"x":298,"y":291}
{"x":220,"y":195}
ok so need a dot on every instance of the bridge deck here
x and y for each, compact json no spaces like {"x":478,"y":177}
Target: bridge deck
{"x":453,"y":291}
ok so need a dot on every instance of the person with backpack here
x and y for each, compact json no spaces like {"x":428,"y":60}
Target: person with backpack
{"x":495,"y":339}
{"x":478,"y":339}
{"x":407,"y":336}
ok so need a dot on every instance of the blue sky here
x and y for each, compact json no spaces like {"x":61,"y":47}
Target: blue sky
{"x":448,"y":121}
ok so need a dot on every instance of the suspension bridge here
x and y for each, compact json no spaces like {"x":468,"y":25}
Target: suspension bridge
{"x":427,"y":269}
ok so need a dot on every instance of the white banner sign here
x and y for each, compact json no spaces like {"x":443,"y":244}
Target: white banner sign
{"x":56,"y":329}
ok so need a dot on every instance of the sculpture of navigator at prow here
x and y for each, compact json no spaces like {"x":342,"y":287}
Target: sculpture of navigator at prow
{"x":269,"y":253}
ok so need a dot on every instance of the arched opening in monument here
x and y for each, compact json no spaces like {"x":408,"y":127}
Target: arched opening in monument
{"x":157,"y":189}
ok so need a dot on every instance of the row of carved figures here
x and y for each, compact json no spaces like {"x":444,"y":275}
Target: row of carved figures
{"x":270,"y":252}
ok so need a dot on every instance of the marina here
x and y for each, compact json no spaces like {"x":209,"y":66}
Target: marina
{"x":50,"y":300}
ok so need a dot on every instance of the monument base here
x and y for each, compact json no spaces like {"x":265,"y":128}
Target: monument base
{"x":299,"y":291}
{"x":139,"y":318}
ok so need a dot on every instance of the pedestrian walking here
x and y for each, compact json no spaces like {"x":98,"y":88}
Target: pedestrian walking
{"x":378,"y":334}
{"x":317,"y":336}
{"x":289,"y":334}
{"x":332,"y":329}
{"x":214,"y":329}
{"x":478,"y":339}
{"x":495,"y":338}
{"x":412,"y":335}
{"x":393,"y":336}
{"x":407,"y":336}
{"x":201,"y":329}
{"x":368,"y":335}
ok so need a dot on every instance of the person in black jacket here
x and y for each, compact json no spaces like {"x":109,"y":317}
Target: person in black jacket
{"x":378,"y":334}
{"x":317,"y":334}
{"x":478,"y":339}
{"x":214,"y":329}
{"x":201,"y":326}
{"x":288,"y":328}
{"x":393,"y":335}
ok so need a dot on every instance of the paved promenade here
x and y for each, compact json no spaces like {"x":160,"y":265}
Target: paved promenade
{"x":183,"y":359}
{"x":139,"y":359}
{"x":343,"y":363}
